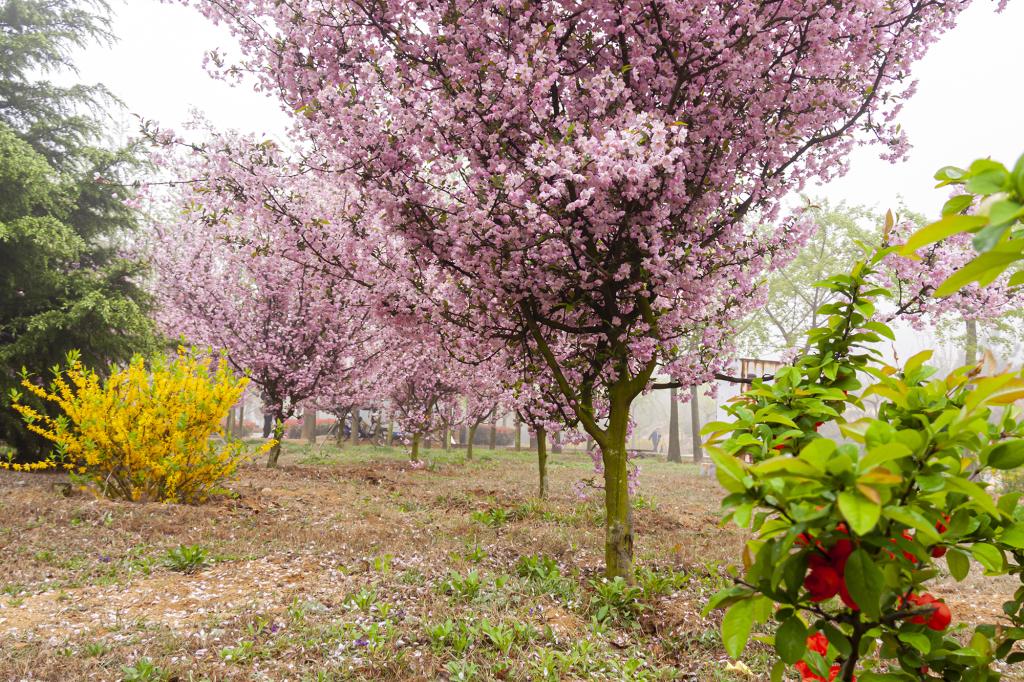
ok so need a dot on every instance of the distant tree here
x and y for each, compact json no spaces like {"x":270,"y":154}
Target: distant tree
{"x":792,"y":301}
{"x":65,"y":281}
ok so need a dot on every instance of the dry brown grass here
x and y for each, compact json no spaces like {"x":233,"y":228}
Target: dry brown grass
{"x":311,"y":558}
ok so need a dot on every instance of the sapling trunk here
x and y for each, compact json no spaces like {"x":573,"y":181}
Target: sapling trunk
{"x":518,"y":442}
{"x":446,"y":437}
{"x":542,"y":462}
{"x":970,"y":342}
{"x":469,"y":441}
{"x":229,"y":423}
{"x":275,"y":452}
{"x":240,"y":424}
{"x":698,"y":450}
{"x":674,"y":454}
{"x":353,"y":435}
{"x":494,"y":435}
{"x":309,"y":426}
{"x":339,"y":437}
{"x":415,"y":456}
{"x":390,"y":439}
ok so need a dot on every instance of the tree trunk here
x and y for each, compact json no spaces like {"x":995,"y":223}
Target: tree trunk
{"x":674,"y":454}
{"x":494,"y":435}
{"x":309,"y":426}
{"x":618,"y":544}
{"x":698,"y":451}
{"x":519,"y":434}
{"x":229,"y":422}
{"x":415,"y":456}
{"x":445,"y":437}
{"x":390,"y":438}
{"x":339,"y":437}
{"x":970,"y":342}
{"x":542,"y":462}
{"x":240,"y":426}
{"x":268,"y":425}
{"x":469,"y":441}
{"x":556,"y":443}
{"x":353,"y":434}
{"x":275,"y":452}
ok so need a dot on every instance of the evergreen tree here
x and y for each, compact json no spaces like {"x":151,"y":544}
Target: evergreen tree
{"x":64,"y":281}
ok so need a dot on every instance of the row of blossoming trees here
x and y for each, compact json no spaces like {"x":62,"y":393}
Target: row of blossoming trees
{"x":563,"y":199}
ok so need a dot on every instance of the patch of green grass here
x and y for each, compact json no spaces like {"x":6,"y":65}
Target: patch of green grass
{"x":186,"y":558}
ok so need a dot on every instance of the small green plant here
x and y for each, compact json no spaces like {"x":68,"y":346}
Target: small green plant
{"x":475,"y":554}
{"x":462,"y":670}
{"x":186,"y":558}
{"x":463,"y":587}
{"x":492,"y":518}
{"x":440,"y":634}
{"x":615,"y":600}
{"x":500,"y":635}
{"x":382,"y":563}
{"x":641,"y":501}
{"x":143,"y":670}
{"x":654,"y":583}
{"x":363,"y":600}
{"x":243,"y":653}
{"x":95,"y":649}
{"x":538,"y":568}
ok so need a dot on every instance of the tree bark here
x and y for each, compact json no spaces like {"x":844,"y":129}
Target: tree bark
{"x":353,"y":435}
{"x":618,"y":546}
{"x":445,"y":437}
{"x":268,"y":425}
{"x":229,"y":422}
{"x":519,"y":434}
{"x":469,"y":441}
{"x":494,"y":434}
{"x":339,"y":437}
{"x":556,"y":443}
{"x":698,"y":450}
{"x":309,"y":426}
{"x":415,"y":456}
{"x":240,"y":425}
{"x":674,"y":454}
{"x":275,"y":452}
{"x":390,"y":438}
{"x":542,"y":462}
{"x":970,"y":342}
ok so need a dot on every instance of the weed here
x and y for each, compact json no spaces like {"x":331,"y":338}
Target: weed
{"x":363,"y":600}
{"x":186,"y":558}
{"x":243,"y":653}
{"x":654,"y":583}
{"x":615,"y":600}
{"x":538,"y":568}
{"x":143,"y":670}
{"x":500,"y":635}
{"x":95,"y":649}
{"x":463,"y":587}
{"x":475,"y":554}
{"x":462,"y":670}
{"x":382,"y":563}
{"x":641,"y":501}
{"x":491,"y":518}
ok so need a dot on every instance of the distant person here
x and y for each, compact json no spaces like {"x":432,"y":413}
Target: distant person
{"x":656,"y":439}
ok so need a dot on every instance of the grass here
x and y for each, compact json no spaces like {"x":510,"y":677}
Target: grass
{"x":348,"y":564}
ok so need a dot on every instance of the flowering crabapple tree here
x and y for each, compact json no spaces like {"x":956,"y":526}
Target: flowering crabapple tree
{"x":223,"y":279}
{"x":577,"y":178}
{"x":848,"y":533}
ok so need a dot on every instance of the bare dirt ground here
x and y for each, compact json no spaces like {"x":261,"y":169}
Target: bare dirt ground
{"x":353,"y":565}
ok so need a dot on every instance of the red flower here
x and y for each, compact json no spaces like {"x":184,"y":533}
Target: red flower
{"x":938,"y":619}
{"x":844,"y":594}
{"x":823,"y":583}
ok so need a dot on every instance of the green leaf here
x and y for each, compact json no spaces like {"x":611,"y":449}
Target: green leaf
{"x":885,"y":452}
{"x":926,"y":531}
{"x":785,"y":465}
{"x":941,"y":229}
{"x":988,"y":182}
{"x":918,"y":640}
{"x":861,"y":513}
{"x":1007,"y":455}
{"x":1013,"y":536}
{"x":988,"y":237}
{"x":736,"y":625}
{"x":957,"y":204}
{"x":959,"y":564}
{"x":982,"y":269}
{"x":864,"y":582}
{"x":989,"y":556}
{"x":976,"y":493}
{"x":791,"y":640}
{"x":778,"y":673}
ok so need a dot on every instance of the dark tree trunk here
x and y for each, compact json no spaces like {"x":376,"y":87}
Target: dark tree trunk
{"x":698,"y":451}
{"x":542,"y":463}
{"x":674,"y":454}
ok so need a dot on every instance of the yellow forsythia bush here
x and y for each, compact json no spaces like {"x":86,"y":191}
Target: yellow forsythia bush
{"x":149,"y":434}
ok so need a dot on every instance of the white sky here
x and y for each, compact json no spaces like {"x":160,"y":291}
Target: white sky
{"x":969,"y":101}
